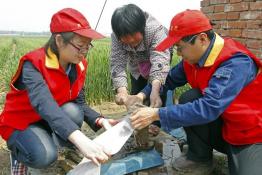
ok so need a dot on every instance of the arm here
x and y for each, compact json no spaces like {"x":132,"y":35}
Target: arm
{"x":227,"y":82}
{"x":90,"y":115}
{"x":44,"y":104}
{"x":118,"y":63}
{"x":175,"y":78}
{"x":160,"y":65}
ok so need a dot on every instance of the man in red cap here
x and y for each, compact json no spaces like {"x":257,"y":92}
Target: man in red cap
{"x":223,"y":110}
{"x":46,"y":106}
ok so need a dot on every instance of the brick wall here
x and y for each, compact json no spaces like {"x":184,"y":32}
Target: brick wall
{"x":239,"y":19}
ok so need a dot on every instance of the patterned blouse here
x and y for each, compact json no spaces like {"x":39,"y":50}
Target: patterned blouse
{"x":123,"y":56}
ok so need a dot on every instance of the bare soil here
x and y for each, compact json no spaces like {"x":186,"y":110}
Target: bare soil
{"x":61,"y":166}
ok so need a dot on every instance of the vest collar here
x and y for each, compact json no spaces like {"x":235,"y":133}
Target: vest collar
{"x":51,"y":61}
{"x":215,"y":51}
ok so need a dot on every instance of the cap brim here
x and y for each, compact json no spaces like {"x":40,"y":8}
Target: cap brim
{"x":89,"y":33}
{"x":166,"y":43}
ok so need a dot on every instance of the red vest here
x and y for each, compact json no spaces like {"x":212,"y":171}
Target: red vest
{"x":18,"y":112}
{"x":242,"y":119}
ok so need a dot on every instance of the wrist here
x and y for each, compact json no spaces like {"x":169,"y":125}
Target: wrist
{"x":99,"y":121}
{"x":141,"y":96}
{"x":156,"y":84}
{"x":156,"y":114}
{"x":122,"y":90}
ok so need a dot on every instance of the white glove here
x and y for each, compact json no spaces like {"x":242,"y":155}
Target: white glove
{"x":88,"y":148}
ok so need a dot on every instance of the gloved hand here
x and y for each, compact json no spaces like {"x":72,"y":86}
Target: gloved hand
{"x":106,"y":123}
{"x":88,"y":148}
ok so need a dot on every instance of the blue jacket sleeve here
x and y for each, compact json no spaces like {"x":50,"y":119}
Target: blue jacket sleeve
{"x":226,"y":83}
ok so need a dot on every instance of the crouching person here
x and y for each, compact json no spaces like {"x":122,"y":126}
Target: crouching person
{"x":46,"y":106}
{"x":223,"y":110}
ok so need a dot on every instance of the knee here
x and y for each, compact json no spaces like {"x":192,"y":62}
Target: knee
{"x":190,"y":96}
{"x":74,"y":112}
{"x":43,"y":158}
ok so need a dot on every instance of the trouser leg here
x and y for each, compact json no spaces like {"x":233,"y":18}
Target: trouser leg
{"x":74,"y":112}
{"x":245,"y":159}
{"x":35,"y":146}
{"x":202,"y":139}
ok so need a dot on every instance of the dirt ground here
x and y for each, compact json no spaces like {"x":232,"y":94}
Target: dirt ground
{"x":107,"y":109}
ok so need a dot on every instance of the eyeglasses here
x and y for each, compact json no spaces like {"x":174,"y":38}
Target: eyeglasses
{"x":180,"y":48}
{"x":82,"y":50}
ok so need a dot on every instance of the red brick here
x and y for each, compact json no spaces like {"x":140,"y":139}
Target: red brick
{"x":251,"y":15}
{"x":216,"y":24}
{"x":218,"y":1}
{"x":256,"y":5}
{"x":233,"y":25}
{"x":204,"y":3}
{"x":219,"y":8}
{"x":222,"y":32}
{"x":254,"y":44}
{"x":255,"y":34}
{"x":238,"y":7}
{"x":219,"y":16}
{"x":233,"y":15}
{"x":254,"y":24}
{"x":241,"y":40}
{"x":234,"y":32}
{"x":209,"y":9}
{"x":234,"y":1}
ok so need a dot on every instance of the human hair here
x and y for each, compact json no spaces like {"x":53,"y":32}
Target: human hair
{"x":210,"y":35}
{"x":51,"y":43}
{"x":128,"y":19}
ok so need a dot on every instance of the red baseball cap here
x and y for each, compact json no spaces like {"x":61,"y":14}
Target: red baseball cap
{"x":71,"y":20}
{"x":186,"y":23}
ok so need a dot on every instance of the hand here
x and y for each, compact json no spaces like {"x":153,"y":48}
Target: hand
{"x":155,"y":100}
{"x":88,"y":148}
{"x":134,"y":99}
{"x":107,"y":123}
{"x":121,"y":98}
{"x":143,"y":117}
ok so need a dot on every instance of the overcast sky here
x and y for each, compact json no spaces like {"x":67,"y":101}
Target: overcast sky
{"x":35,"y":15}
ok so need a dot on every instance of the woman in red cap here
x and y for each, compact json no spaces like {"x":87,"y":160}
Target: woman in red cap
{"x":46,"y":106}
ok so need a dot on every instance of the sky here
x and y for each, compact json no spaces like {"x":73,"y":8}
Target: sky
{"x":35,"y":15}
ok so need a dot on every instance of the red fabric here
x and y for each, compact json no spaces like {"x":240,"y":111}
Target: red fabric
{"x":18,"y":112}
{"x":243,"y":117}
{"x":184,"y":24}
{"x":71,"y":20}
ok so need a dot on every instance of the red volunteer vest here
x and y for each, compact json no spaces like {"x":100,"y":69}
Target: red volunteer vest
{"x":242,"y":120}
{"x":18,"y":112}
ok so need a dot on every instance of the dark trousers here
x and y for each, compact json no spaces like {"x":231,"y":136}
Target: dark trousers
{"x":202,"y":139}
{"x":140,"y":84}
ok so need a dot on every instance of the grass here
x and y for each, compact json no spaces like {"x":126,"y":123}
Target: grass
{"x":98,"y":82}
